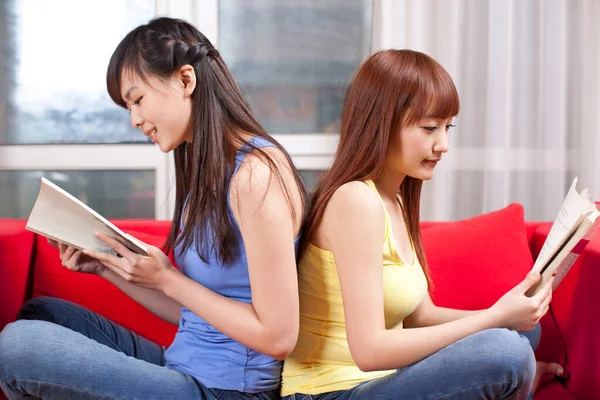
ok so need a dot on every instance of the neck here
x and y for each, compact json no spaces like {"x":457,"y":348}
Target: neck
{"x":388,"y":184}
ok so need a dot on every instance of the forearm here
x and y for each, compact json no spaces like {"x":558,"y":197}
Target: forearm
{"x":442,"y":315}
{"x":153,"y":300}
{"x":236,"y":319}
{"x":394,"y":349}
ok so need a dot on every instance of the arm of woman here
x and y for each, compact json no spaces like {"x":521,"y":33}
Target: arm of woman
{"x":270,"y":323}
{"x":353,"y":228}
{"x":428,"y":314}
{"x":154,"y":301}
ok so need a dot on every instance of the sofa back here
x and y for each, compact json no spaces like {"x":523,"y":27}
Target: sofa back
{"x":32,"y":268}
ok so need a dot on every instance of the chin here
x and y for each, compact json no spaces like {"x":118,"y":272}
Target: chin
{"x":424,"y":176}
{"x":165,"y":147}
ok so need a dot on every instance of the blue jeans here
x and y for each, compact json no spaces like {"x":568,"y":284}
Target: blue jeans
{"x":59,"y":350}
{"x":492,"y":364}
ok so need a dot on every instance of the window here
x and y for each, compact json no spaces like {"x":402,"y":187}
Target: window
{"x":115,"y":194}
{"x":294,"y":59}
{"x":56,"y":118}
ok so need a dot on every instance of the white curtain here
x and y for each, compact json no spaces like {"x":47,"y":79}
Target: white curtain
{"x":528,"y":75}
{"x":527,"y":72}
{"x":203,"y":14}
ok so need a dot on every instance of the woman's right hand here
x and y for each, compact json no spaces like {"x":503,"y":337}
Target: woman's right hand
{"x":75,"y":260}
{"x":518,"y":312}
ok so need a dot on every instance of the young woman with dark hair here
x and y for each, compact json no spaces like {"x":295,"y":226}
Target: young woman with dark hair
{"x":239,"y":208}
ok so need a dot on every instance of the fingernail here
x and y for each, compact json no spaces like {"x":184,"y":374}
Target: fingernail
{"x":97,"y":234}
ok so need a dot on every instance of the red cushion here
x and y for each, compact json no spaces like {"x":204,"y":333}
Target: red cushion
{"x":97,"y":294}
{"x":16,"y":247}
{"x":474,"y":262}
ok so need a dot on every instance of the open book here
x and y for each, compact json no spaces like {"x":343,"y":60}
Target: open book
{"x":575,"y":225}
{"x":60,"y":216}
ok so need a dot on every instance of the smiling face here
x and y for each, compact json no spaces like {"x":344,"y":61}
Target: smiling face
{"x":414,"y":150}
{"x":161,"y":109}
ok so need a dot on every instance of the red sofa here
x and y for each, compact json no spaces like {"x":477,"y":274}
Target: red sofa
{"x":472,"y":263}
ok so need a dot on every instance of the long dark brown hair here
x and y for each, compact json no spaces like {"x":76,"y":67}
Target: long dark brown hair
{"x":392,"y":89}
{"x":203,"y":168}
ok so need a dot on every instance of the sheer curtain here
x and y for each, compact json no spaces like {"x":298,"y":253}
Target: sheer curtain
{"x":527,"y":73}
{"x":528,"y":77}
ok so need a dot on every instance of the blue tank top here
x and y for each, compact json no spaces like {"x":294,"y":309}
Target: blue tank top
{"x":202,"y":351}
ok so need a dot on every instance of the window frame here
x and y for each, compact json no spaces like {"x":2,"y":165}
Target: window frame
{"x":309,"y":151}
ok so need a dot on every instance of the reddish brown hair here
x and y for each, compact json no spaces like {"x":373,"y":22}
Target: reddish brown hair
{"x":391,"y":89}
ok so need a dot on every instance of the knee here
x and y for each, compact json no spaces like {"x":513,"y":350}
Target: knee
{"x":534,"y":336}
{"x":20,"y":348}
{"x":509,"y":357}
{"x":40,"y":308}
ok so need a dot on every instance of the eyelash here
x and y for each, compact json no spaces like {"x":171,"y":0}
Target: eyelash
{"x":135,"y":103}
{"x":433,"y":128}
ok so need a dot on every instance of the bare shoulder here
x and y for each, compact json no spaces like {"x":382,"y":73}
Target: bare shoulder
{"x":257,"y":170}
{"x":356,"y":197}
{"x":355,"y":208}
{"x":265,"y":188}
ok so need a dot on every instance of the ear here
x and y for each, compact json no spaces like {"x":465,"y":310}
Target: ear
{"x":187,"y":76}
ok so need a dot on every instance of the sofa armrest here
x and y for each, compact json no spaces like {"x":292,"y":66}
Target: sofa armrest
{"x":574,"y":305}
{"x":16,"y":251}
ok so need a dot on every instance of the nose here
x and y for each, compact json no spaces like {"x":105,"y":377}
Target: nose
{"x":136,"y":120}
{"x":441,"y":144}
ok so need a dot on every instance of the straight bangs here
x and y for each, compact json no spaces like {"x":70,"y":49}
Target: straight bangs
{"x":125,"y":59}
{"x":434,"y":96}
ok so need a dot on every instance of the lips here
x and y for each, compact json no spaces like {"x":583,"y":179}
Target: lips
{"x":432,"y":163}
{"x":152,"y":133}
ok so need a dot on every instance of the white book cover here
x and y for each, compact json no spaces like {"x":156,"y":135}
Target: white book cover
{"x":60,"y":216}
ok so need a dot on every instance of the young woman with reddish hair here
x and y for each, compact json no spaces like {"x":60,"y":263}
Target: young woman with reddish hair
{"x":368,"y":327}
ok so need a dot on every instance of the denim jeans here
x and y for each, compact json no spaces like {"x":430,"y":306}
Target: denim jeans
{"x":492,"y":364}
{"x":59,"y":350}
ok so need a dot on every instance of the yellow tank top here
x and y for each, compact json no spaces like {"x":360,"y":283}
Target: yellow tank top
{"x":321,"y":361}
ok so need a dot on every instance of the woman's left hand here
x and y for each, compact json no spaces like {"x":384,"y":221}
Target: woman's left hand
{"x":148,"y":271}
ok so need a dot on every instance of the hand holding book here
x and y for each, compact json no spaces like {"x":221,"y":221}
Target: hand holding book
{"x":76,"y":261}
{"x":149,"y":271}
{"x":518,"y":312}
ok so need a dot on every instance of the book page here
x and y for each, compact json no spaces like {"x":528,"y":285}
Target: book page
{"x":573,"y":208}
{"x":60,"y":216}
{"x":562,"y":262}
{"x":566,"y":264}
